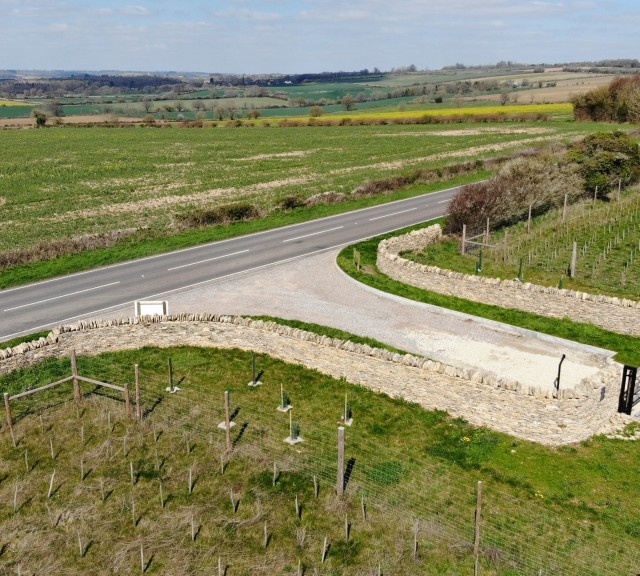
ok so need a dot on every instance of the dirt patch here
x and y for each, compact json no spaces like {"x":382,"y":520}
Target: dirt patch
{"x":293,"y":154}
{"x":455,"y":154}
{"x":3,"y":200}
{"x":474,"y":132}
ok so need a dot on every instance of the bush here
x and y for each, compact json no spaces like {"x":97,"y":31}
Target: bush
{"x":540,"y":182}
{"x":220,"y":215}
{"x":606,"y":157}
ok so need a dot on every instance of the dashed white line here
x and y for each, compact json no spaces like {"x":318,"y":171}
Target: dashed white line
{"x":443,"y":201}
{"x":392,"y":214}
{"x":61,"y":296}
{"x":207,"y":260}
{"x":312,"y":234}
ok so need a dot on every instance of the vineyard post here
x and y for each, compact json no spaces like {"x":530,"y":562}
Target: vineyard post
{"x":564,"y":210}
{"x":227,"y":420}
{"x":7,"y":408}
{"x":464,"y":239}
{"x":529,"y":220}
{"x":77,"y":391}
{"x":136,"y":370}
{"x":340,"y":473}
{"x":595,"y":195}
{"x":486,"y":233}
{"x":619,"y":187}
{"x":476,"y":540}
{"x":574,"y":258}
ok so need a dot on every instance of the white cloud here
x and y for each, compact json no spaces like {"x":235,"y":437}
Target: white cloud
{"x":136,"y":10}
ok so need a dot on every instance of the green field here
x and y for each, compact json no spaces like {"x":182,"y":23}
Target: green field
{"x":160,"y":485}
{"x":58,"y":183}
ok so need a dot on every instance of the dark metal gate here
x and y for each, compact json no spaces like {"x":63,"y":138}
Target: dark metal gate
{"x":629,"y":396}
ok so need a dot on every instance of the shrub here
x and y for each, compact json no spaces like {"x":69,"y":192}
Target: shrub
{"x":606,"y":157}
{"x":540,"y":182}
{"x":219,"y":215}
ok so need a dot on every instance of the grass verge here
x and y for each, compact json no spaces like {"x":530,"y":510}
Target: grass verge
{"x":151,"y":242}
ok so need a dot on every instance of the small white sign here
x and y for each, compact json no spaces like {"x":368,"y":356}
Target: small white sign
{"x":151,"y":308}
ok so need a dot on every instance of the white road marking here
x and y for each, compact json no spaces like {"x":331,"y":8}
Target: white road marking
{"x":207,"y":260}
{"x":313,"y":234}
{"x":392,"y":214}
{"x":61,"y":296}
{"x":443,"y":201}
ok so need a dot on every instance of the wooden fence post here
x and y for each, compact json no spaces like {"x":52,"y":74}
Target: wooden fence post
{"x":136,"y":370}
{"x":529,"y":220}
{"x":476,"y":540}
{"x":227,"y":420}
{"x":7,"y":407}
{"x":464,"y":239}
{"x":77,"y":391}
{"x":340,"y":473}
{"x":486,"y":233}
{"x":564,"y":210}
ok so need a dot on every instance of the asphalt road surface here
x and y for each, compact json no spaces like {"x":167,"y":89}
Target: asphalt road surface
{"x":52,"y":302}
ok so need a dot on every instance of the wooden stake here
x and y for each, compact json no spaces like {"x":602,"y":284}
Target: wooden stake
{"x":136,"y":371}
{"x":340,"y":473}
{"x":564,"y":210}
{"x":102,"y":488}
{"x":315,"y":485}
{"x":227,"y":420}
{"x":26,"y":460}
{"x":53,"y":454}
{"x":220,"y":566}
{"x":77,"y":391}
{"x":529,"y":220}
{"x":7,"y":408}
{"x":464,"y":239}
{"x":193,"y":530}
{"x":297,"y":507}
{"x":15,"y":499}
{"x":476,"y":541}
{"x":486,"y":233}
{"x":415,"y":541}
{"x":364,"y":508}
{"x":346,"y":528}
{"x":324,"y":550}
{"x":275,"y":474}
{"x":142,"y":568}
{"x":81,"y":469}
{"x":53,"y":475}
{"x":190,"y":480}
{"x":131,"y":472}
{"x":266,"y":536}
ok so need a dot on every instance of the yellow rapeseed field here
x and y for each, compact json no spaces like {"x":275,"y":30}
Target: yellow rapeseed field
{"x":12,"y":103}
{"x":557,"y":108}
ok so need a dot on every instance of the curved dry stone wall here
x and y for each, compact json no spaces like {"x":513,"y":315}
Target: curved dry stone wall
{"x":615,"y":314}
{"x":481,"y":398}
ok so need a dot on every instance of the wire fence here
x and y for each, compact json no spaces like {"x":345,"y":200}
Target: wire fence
{"x":519,"y":536}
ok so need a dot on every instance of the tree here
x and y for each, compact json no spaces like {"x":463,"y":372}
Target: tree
{"x":316,"y":111}
{"x":146,"y":104}
{"x":348,"y":101}
{"x":605,"y":158}
{"x":253,"y":114}
{"x":504,"y":97}
{"x":40,"y":117}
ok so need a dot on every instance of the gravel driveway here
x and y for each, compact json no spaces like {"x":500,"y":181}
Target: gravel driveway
{"x":314,"y":289}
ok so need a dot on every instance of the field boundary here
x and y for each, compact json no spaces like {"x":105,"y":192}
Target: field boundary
{"x":620,"y":315}
{"x":550,"y":417}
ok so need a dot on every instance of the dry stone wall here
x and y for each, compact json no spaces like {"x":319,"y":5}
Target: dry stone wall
{"x":615,"y":314}
{"x":481,"y":398}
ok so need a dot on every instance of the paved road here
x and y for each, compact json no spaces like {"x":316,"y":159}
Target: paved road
{"x":38,"y":306}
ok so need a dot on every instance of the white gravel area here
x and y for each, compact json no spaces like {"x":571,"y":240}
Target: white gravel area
{"x":314,"y":289}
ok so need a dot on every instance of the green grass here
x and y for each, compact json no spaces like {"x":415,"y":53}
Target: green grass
{"x":541,"y":505}
{"x":627,"y":347}
{"x":27,"y":338}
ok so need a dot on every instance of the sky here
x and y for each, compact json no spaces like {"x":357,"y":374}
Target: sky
{"x":287,"y":36}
